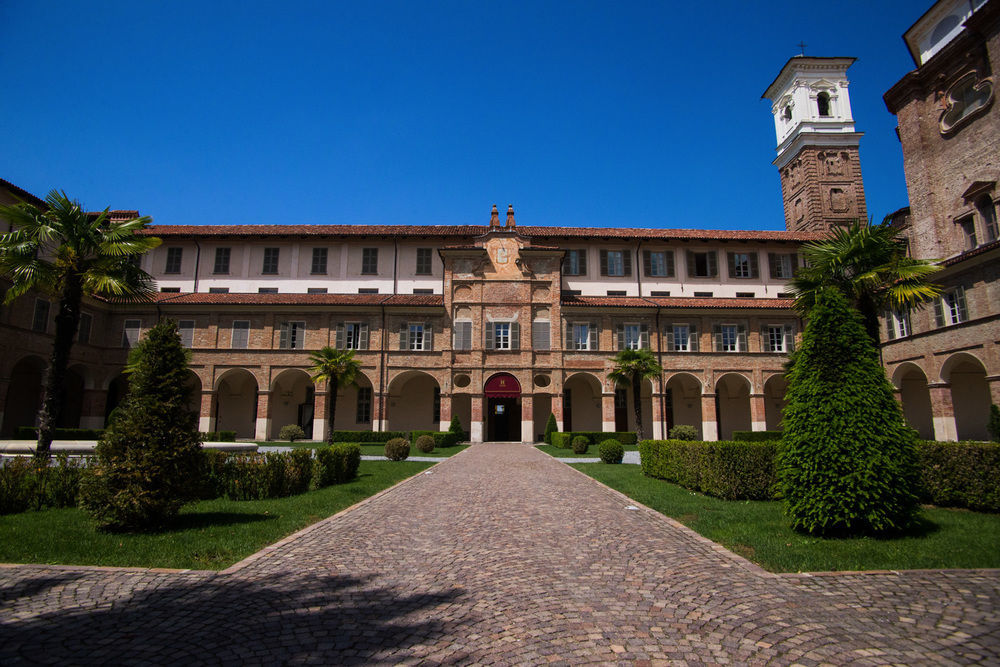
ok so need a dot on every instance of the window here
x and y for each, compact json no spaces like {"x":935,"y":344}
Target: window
{"x":582,"y":336}
{"x":575,"y":263}
{"x":617,"y":292}
{"x":270,"y":267}
{"x":40,"y":319}
{"x":316,"y":290}
{"x":423,"y":261}
{"x":416,"y":337}
{"x":130,"y":333}
{"x":352,"y":336}
{"x":462,"y":335}
{"x":292,"y":336}
{"x":572,"y":292}
{"x":503,"y":336}
{"x":241,"y":334}
{"x":702,"y":264}
{"x":787,"y":113}
{"x":703,"y":295}
{"x":966,"y":99}
{"x":632,"y":337}
{"x":730,"y":338}
{"x":785,"y":295}
{"x":782,"y":265}
{"x":658,"y":264}
{"x":777,"y":337}
{"x":743,"y":265}
{"x":369,"y":261}
{"x":897,"y":324}
{"x":364,"y":411}
{"x":660,"y":293}
{"x":823,"y":103}
{"x":988,"y":212}
{"x":682,"y":338}
{"x":267,"y":290}
{"x":968,"y":227}
{"x":170,"y":290}
{"x":174,"y":258}
{"x":744,"y":295}
{"x":951,"y":308}
{"x":616,"y":263}
{"x":541,"y":335}
{"x":423,"y":290}
{"x":86,"y":324}
{"x":186,"y":328}
{"x":222,"y":256}
{"x":218,"y":290}
{"x":318,"y":261}
{"x":367,"y":290}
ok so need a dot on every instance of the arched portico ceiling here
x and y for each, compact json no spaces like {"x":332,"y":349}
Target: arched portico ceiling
{"x":907,"y":371}
{"x":733,"y":382}
{"x":236,"y":375}
{"x":400,"y":380}
{"x":963,"y":361}
{"x":589,"y":379}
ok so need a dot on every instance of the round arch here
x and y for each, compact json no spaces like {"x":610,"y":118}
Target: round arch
{"x":291,"y":401}
{"x":682,"y":395}
{"x":24,"y":394}
{"x":775,"y":388}
{"x":970,"y":395}
{"x":732,"y":394}
{"x":502,"y":398}
{"x":582,"y":403}
{"x":414,"y":402}
{"x":236,"y":402}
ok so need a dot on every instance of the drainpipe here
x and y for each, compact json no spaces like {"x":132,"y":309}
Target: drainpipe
{"x":663,"y":391}
{"x":381,"y":372}
{"x":197,"y":262}
{"x":638,"y":266}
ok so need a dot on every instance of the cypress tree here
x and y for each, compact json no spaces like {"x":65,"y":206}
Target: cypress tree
{"x":550,"y":428}
{"x":149,"y":460}
{"x":848,"y":462}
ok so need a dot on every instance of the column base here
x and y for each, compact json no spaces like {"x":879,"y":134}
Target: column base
{"x":319,"y":429}
{"x":476,"y":432}
{"x":608,"y":427}
{"x":261,"y":429}
{"x":709,"y":431}
{"x":758,"y":426}
{"x":526,"y":431}
{"x":945,"y":429}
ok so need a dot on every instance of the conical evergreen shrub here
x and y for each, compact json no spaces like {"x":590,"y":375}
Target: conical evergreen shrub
{"x":848,"y":462}
{"x":550,"y":428}
{"x":149,"y":460}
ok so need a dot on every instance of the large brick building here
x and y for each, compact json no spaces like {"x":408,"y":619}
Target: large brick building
{"x":501,"y":324}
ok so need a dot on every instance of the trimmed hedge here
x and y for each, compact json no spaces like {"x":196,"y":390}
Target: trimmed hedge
{"x":368,"y":436}
{"x":256,"y":476}
{"x":565,"y":440}
{"x":336,"y":464}
{"x":756,"y":436}
{"x":611,"y":451}
{"x":732,"y":470}
{"x":24,"y":484}
{"x":441,"y":438}
{"x":960,"y":474}
{"x":31,"y":433}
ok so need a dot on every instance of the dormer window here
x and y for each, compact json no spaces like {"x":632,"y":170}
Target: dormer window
{"x":823,"y":104}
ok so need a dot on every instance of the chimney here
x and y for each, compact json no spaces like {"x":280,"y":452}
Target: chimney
{"x":494,"y":217}
{"x":510,"y":216}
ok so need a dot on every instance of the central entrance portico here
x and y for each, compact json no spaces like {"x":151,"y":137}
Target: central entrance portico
{"x":503,"y":408}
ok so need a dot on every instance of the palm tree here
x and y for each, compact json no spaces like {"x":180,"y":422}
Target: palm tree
{"x":62,"y":250}
{"x":867,"y":263}
{"x":338,"y":368}
{"x":631,"y":368}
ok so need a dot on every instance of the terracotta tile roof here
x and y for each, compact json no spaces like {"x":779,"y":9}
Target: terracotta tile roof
{"x":23,"y":194}
{"x":470,"y":231}
{"x":969,"y":254}
{"x":674,"y":302}
{"x":290,"y":299}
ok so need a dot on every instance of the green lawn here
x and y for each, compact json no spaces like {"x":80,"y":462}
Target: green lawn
{"x":375,"y":449}
{"x":943,"y":538}
{"x":559,"y":452}
{"x":209,"y":535}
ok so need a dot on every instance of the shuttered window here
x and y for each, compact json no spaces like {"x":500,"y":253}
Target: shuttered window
{"x":416,"y":337}
{"x":40,"y":318}
{"x":729,"y":338}
{"x":951,"y":308}
{"x":352,"y":336}
{"x":503,"y":336}
{"x":616,"y":263}
{"x":743,"y":265}
{"x":575,"y":263}
{"x":777,"y":338}
{"x":424,"y":256}
{"x":782,"y":265}
{"x":319,"y":261}
{"x":186,"y":329}
{"x":462,"y":335}
{"x":241,"y":335}
{"x":541,"y":335}
{"x":86,"y":324}
{"x":222,"y":256}
{"x":270,"y":265}
{"x":364,"y":408}
{"x":658,"y":263}
{"x":681,"y":337}
{"x":702,"y":264}
{"x":175,"y":257}
{"x":581,"y":336}
{"x":292,"y":336}
{"x":632,"y":337}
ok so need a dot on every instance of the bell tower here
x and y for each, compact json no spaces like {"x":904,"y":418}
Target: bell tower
{"x":818,"y":158}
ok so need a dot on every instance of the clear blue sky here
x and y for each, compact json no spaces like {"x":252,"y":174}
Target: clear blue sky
{"x":639,"y":114}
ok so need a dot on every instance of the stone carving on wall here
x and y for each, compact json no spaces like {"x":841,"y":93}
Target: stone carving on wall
{"x":468,"y":266}
{"x":839,"y":203}
{"x":798,"y":211}
{"x":835,"y":164}
{"x":463,"y":293}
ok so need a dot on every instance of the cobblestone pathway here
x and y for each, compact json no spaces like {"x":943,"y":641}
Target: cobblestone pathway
{"x":499,"y":555}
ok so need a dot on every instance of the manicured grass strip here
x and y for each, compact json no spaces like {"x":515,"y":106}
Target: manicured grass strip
{"x":757,"y":530}
{"x":559,"y":452}
{"x":208,"y":535}
{"x":373,"y":449}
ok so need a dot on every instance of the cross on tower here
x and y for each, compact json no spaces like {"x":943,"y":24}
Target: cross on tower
{"x":802,"y":45}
